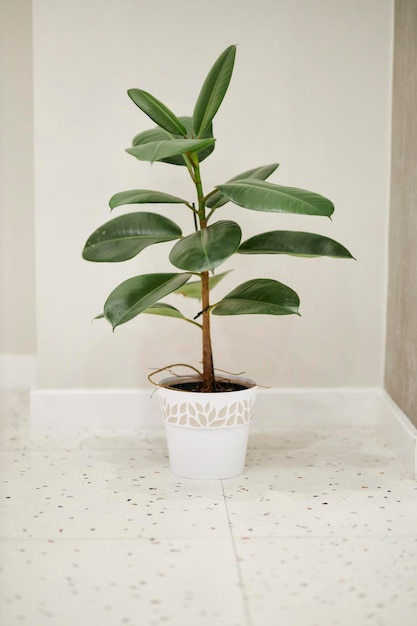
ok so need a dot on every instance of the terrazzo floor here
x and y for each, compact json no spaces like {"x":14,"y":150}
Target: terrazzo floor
{"x":320,"y":530}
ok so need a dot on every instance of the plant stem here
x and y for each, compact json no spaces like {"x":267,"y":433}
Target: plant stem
{"x":208,"y":369}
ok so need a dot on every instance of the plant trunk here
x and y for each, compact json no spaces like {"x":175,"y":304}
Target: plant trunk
{"x":208,"y":370}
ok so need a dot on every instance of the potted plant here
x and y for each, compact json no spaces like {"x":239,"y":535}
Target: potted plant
{"x":207,"y":414}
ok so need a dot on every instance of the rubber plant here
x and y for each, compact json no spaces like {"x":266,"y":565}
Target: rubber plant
{"x":186,"y":142}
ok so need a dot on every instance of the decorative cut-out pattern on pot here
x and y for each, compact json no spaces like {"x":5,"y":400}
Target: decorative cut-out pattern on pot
{"x":206,"y":415}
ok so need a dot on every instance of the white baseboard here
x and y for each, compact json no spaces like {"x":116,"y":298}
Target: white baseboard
{"x":282,"y":408}
{"x":17,"y":371}
{"x":94,"y":408}
{"x":136,"y":408}
{"x":325,"y":407}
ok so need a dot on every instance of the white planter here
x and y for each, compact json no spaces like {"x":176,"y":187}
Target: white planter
{"x":207,"y":433}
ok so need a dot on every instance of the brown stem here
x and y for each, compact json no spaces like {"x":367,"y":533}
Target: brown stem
{"x":208,"y":370}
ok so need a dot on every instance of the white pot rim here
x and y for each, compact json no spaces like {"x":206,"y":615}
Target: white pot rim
{"x":248,"y":383}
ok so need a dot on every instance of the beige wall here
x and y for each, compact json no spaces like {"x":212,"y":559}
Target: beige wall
{"x":17,"y":257}
{"x":401,"y":356}
{"x":312,"y":121}
{"x":303,"y":94}
{"x":17,"y":309}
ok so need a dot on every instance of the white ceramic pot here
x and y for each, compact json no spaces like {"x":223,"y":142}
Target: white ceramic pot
{"x":207,"y":433}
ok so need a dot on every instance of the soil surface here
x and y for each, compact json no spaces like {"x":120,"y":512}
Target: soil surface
{"x":196,"y":385}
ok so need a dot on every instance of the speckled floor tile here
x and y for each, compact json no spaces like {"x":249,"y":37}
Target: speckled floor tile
{"x":107,"y":583}
{"x":88,"y":439}
{"x":108,"y":493}
{"x":307,"y":438}
{"x":330,"y":582}
{"x":321,"y":492}
{"x":320,"y":530}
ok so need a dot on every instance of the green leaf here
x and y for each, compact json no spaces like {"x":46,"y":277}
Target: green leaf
{"x":213,"y":91}
{"x":151,"y":135}
{"x":158,"y":134}
{"x":143,"y":196}
{"x":262,"y":196}
{"x":124,"y":237}
{"x":158,"y":150}
{"x":207,"y":248}
{"x":193,"y":288}
{"x":294,"y":243}
{"x":161,"y":308}
{"x":157,"y":111}
{"x":259,"y":296}
{"x":137,"y":294}
{"x":218,"y":199}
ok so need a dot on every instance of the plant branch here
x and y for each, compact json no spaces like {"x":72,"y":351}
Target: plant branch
{"x":192,"y":207}
{"x":210,"y":194}
{"x":211,"y":213}
{"x":193,"y":322}
{"x":189,"y":164}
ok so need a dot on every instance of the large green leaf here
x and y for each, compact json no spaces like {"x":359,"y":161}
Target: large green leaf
{"x":161,"y":308}
{"x":218,"y":199}
{"x":158,"y":150}
{"x":143,"y":196}
{"x":259,"y":296}
{"x":158,"y":134}
{"x":125,"y":236}
{"x":213,"y":91}
{"x":262,"y":196}
{"x":207,"y":248}
{"x":157,"y":111}
{"x":137,"y":294}
{"x":192,"y":289}
{"x":151,"y":135}
{"x":294,"y":243}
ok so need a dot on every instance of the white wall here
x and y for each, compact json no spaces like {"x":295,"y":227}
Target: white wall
{"x":311,"y":89}
{"x":17,"y":254}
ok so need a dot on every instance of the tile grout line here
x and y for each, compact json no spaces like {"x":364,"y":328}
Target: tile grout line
{"x":246,"y":607}
{"x":307,"y":538}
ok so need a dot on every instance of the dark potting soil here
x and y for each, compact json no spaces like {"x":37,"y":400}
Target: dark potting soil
{"x":196,"y":386}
